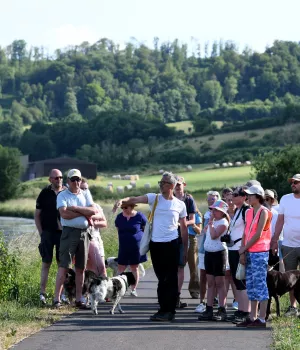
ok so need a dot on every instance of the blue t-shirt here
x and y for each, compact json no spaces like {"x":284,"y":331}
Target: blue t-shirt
{"x":198,"y":220}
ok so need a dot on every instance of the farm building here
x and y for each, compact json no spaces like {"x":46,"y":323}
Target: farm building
{"x":43,"y":167}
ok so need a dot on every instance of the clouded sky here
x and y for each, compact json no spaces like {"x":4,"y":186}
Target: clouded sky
{"x":59,"y":23}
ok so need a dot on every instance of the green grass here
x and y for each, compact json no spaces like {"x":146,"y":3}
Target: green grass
{"x":184,"y":126}
{"x":217,"y":139}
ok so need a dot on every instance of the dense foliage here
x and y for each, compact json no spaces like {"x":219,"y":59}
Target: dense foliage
{"x":110,"y":105}
{"x":274,"y":168}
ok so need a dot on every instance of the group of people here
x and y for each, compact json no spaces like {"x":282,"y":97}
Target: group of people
{"x":245,"y":225}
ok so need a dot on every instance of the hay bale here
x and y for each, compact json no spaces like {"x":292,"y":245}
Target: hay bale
{"x":224,"y":165}
{"x":116,"y":177}
{"x":120,"y":189}
{"x":147,"y":185}
{"x":248,"y":162}
{"x":230,"y":164}
{"x":133,"y":184}
{"x":216,"y":165}
{"x":110,"y":184}
{"x":136,"y":177}
{"x":161,"y":171}
{"x":128,"y":187}
{"x":109,"y":189}
{"x":189,"y":168}
{"x":238,"y":163}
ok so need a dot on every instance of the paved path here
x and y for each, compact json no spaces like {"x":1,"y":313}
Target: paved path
{"x":133,"y":330}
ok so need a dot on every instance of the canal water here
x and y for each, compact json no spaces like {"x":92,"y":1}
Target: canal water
{"x":13,"y":227}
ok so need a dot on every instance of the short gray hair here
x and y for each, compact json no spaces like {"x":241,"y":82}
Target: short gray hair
{"x":171,"y":176}
{"x":214,"y":193}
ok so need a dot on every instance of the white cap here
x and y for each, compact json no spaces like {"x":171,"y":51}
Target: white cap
{"x":74,"y":172}
{"x":255,"y":190}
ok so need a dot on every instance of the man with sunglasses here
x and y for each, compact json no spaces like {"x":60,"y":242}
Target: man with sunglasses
{"x":289,"y":221}
{"x":47,"y":218}
{"x":76,"y":208}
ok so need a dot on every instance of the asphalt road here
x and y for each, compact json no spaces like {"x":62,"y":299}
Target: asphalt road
{"x":133,"y":330}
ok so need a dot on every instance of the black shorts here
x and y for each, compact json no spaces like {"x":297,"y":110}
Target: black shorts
{"x":215,"y":263}
{"x":234,"y":259}
{"x":49,"y":239}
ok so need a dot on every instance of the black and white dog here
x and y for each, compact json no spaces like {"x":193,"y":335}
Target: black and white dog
{"x":112,"y":263}
{"x":113,"y":288}
{"x":70,"y":285}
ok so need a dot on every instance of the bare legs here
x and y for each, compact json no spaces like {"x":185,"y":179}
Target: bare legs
{"x":135,"y":271}
{"x":44,"y":276}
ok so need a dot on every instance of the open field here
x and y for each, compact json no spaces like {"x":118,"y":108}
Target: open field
{"x":196,"y":180}
{"x":187,"y":124}
{"x":215,"y":140}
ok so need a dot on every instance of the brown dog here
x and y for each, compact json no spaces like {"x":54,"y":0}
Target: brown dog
{"x":280,"y":283}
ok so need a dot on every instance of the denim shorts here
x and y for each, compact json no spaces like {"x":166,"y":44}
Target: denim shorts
{"x":256,"y":275}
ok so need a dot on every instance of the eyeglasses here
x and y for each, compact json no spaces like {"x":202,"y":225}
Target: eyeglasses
{"x":75,"y":178}
{"x":57,"y":178}
{"x":164,"y":182}
{"x":295,"y":182}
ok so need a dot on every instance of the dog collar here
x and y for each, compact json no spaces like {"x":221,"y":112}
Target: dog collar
{"x":125,"y":281}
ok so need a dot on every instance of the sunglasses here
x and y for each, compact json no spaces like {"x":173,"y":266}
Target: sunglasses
{"x":268,"y":199}
{"x":295,"y":182}
{"x":57,"y":178}
{"x":124,"y":207}
{"x":164,"y":182}
{"x":77,"y":179}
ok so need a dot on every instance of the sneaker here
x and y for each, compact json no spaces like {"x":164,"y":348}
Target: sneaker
{"x":163,"y":317}
{"x":257,"y":324}
{"x":207,"y":315}
{"x":57,"y":304}
{"x":245,"y":323}
{"x":200,"y":308}
{"x":291,"y":311}
{"x":64,"y":299}
{"x":80,"y":305}
{"x":239,"y":318}
{"x":194,"y":295}
{"x":221,"y":314}
{"x":180,"y":305}
{"x":216,"y":302}
{"x":235,"y":305}
{"x":134,"y":293}
{"x":43,"y":298}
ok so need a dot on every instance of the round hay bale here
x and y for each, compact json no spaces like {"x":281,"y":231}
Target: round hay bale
{"x":147,"y":185}
{"x":161,"y":171}
{"x":120,"y":189}
{"x":238,"y":163}
{"x":248,"y":162}
{"x":216,"y":165}
{"x":109,"y":189}
{"x":136,"y":177}
{"x":189,"y":168}
{"x":133,"y":184}
{"x":128,"y":187}
{"x":224,"y":165}
{"x":230,"y":164}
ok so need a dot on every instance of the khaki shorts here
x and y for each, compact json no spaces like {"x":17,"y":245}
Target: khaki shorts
{"x":291,"y":257}
{"x":74,"y":242}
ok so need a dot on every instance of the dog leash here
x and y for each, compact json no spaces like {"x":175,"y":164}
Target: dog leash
{"x":282,"y":259}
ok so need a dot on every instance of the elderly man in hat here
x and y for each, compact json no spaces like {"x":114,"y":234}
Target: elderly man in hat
{"x":76,"y":208}
{"x":289,"y":221}
{"x":190,"y":204}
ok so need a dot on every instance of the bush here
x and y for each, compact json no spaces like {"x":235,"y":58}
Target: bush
{"x":9,"y":288}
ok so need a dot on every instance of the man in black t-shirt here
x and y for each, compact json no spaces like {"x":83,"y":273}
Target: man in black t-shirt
{"x":47,"y":221}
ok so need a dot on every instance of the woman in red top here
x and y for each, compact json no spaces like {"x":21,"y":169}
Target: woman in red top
{"x":254,"y":254}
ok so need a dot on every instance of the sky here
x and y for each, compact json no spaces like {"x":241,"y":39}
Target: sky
{"x":56,"y":24}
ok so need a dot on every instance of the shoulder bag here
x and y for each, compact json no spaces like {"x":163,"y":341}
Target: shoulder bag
{"x":146,"y":238}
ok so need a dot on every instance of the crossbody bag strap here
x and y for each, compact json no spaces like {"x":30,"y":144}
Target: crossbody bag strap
{"x":150,"y":218}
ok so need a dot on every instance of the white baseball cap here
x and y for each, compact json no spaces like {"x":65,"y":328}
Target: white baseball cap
{"x":74,"y":172}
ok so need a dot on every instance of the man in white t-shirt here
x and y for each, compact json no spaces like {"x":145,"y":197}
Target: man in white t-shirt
{"x":289,"y":221}
{"x":164,"y":248}
{"x":76,"y":208}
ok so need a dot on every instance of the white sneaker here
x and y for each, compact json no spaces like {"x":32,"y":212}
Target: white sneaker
{"x":43,"y":299}
{"x":235,"y":305}
{"x":64,"y":299}
{"x":134,"y":293}
{"x":200,"y":308}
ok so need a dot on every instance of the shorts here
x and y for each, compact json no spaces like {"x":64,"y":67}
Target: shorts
{"x":291,"y":257}
{"x":49,"y":240}
{"x":97,"y":240}
{"x":234,"y":259}
{"x":201,"y":264}
{"x":215,"y":263}
{"x":181,"y":262}
{"x":256,"y":276}
{"x":74,"y":242}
